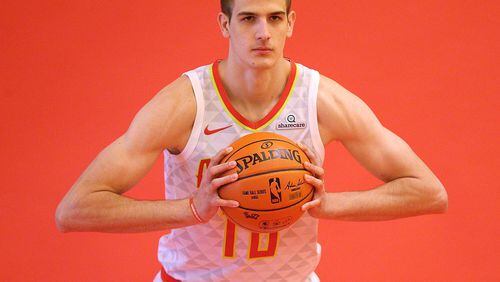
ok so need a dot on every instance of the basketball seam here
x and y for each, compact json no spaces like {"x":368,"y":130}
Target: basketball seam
{"x":266,"y":172}
{"x":246,"y":145}
{"x":262,"y":173}
{"x":277,"y":209}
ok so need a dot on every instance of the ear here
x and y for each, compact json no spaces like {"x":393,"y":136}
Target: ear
{"x":223,"y":21}
{"x":291,"y":21}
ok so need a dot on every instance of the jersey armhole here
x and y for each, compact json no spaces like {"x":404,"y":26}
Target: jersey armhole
{"x":196,"y":130}
{"x":313,"y":115}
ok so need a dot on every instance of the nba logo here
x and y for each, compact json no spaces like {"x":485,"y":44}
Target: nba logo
{"x":275,"y":188}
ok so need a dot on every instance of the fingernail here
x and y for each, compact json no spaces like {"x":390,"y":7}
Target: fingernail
{"x":229,"y":149}
{"x":307,"y":176}
{"x":307,"y":163}
{"x":236,"y":204}
{"x":300,"y":144}
{"x":235,"y":176}
{"x":232,"y":163}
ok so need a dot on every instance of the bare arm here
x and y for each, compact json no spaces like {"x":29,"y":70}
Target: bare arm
{"x":410,"y":187}
{"x":95,"y":202}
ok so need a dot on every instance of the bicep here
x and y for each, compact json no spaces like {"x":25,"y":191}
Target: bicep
{"x":385,"y":155}
{"x":346,"y":118}
{"x":118,"y":167}
{"x":156,"y":127}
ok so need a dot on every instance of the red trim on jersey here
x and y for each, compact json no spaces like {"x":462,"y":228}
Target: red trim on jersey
{"x":167,"y":278}
{"x":274,"y":110}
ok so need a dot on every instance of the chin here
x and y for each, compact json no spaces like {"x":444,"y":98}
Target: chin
{"x":262,"y":62}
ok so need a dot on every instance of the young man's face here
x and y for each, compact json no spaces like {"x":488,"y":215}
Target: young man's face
{"x":257,"y":31}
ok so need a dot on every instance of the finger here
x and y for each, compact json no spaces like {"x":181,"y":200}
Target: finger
{"x":220,"y":168}
{"x":220,"y":155}
{"x":316,"y":170}
{"x":317,"y":183}
{"x":311,"y":204}
{"x":310,"y":154}
{"x":218,"y":182}
{"x":226,"y":203}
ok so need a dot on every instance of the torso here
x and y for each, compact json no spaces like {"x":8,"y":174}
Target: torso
{"x":207,"y":252}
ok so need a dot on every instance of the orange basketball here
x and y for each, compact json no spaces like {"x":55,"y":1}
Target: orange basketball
{"x":270,"y":188}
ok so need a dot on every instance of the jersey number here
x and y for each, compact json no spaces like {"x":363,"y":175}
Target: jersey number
{"x":261,"y":244}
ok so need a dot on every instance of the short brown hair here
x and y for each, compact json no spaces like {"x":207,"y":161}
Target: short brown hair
{"x":227,"y":7}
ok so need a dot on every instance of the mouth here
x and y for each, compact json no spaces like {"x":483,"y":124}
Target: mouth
{"x":262,"y":50}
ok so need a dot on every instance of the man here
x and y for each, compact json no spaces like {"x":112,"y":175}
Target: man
{"x":193,"y":119}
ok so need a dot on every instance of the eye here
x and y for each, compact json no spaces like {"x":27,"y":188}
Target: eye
{"x":247,"y":19}
{"x":275,"y":18}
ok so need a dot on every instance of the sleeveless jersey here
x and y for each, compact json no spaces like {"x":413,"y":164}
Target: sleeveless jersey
{"x":219,"y":250}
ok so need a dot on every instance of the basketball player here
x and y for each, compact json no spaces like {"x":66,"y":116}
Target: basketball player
{"x":193,"y":119}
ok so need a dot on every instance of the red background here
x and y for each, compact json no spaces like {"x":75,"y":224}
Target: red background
{"x":74,"y":73}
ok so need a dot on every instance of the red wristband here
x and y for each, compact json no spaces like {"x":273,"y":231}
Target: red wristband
{"x":193,"y":210}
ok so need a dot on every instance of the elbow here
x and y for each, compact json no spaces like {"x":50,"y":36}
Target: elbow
{"x":439,"y":199}
{"x":444,"y":201}
{"x":63,"y":218}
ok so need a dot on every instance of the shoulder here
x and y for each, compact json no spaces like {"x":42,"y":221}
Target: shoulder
{"x":166,"y":118}
{"x":179,"y":93}
{"x":341,"y":114}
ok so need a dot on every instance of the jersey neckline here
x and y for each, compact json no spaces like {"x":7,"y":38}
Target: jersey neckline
{"x":269,"y":117}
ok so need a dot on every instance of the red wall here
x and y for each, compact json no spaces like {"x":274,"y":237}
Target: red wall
{"x":74,"y":73}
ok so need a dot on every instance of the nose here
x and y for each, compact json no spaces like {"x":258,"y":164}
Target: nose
{"x":263,"y":32}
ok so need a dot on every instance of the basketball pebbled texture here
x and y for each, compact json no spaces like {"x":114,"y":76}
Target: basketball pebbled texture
{"x":270,"y":188}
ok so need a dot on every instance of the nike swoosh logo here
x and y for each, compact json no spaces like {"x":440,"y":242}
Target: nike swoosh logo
{"x":210,"y":132}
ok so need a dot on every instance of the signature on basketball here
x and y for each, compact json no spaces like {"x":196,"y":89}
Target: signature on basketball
{"x":251,"y":215}
{"x":294,"y":186}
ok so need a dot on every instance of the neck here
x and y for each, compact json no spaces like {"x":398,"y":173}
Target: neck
{"x":253,"y":88}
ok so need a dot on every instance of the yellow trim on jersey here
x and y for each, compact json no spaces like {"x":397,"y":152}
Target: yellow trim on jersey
{"x":292,"y":90}
{"x":277,"y":244}
{"x":265,"y":242}
{"x":249,"y":246}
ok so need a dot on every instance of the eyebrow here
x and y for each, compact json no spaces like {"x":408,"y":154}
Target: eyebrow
{"x":245,"y":13}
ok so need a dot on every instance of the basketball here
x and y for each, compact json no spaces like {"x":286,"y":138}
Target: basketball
{"x":270,"y":188}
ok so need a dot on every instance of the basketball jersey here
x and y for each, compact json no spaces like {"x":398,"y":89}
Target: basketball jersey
{"x":219,"y":250}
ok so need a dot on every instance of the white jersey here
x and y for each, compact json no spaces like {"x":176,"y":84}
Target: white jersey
{"x":219,"y":250}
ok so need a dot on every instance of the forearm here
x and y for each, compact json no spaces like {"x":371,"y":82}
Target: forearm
{"x":105,"y":211}
{"x":403,"y":197}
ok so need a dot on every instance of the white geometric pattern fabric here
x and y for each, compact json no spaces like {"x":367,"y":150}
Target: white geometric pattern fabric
{"x":196,"y":253}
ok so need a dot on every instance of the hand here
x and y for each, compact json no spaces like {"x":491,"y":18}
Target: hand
{"x":315,"y":206}
{"x":205,"y":199}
